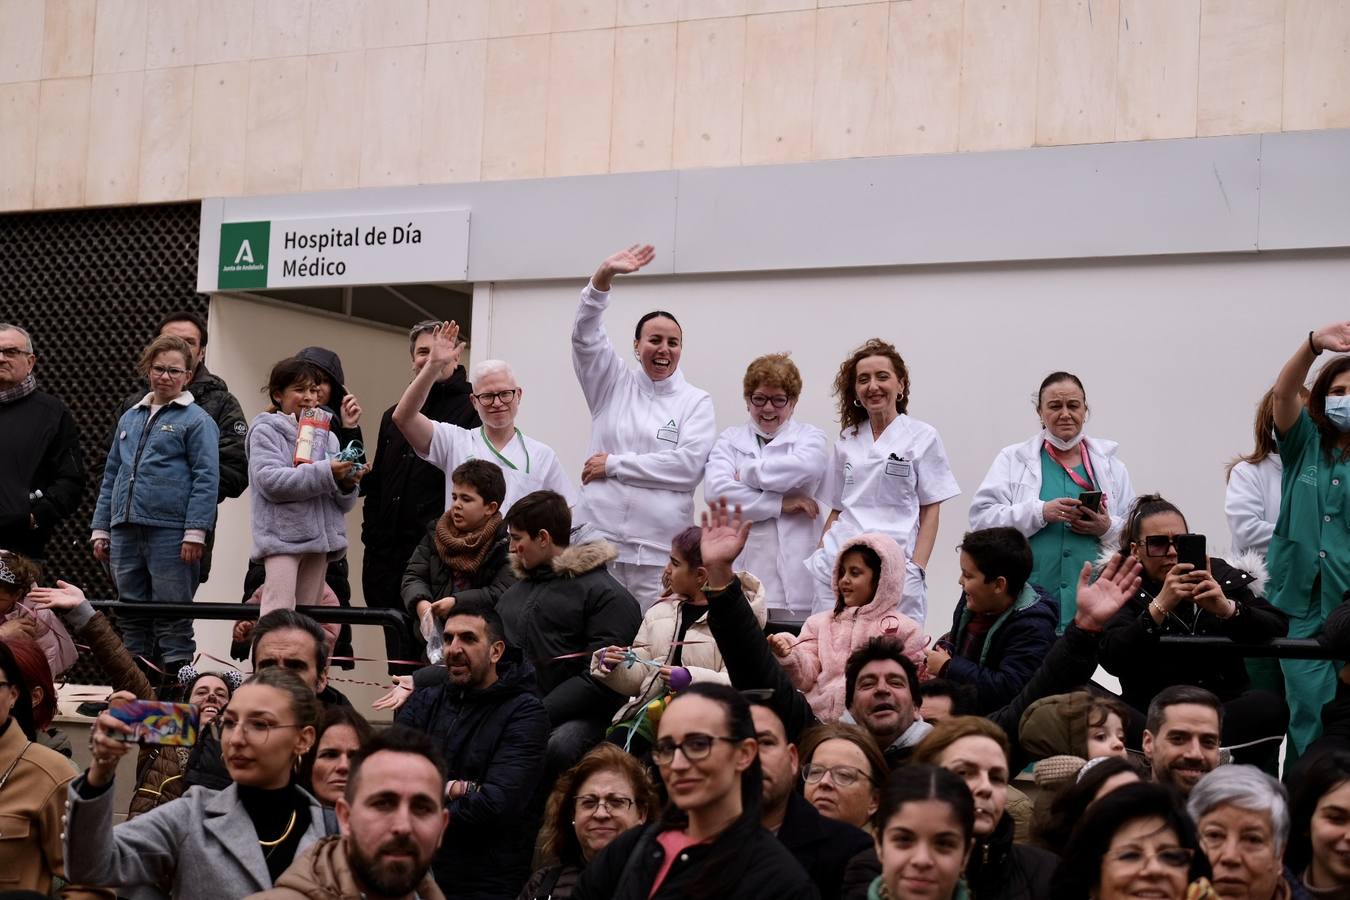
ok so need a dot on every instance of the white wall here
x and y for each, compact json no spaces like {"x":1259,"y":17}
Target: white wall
{"x":1174,"y":352}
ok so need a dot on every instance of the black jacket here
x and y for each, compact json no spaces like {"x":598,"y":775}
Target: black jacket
{"x":40,"y":452}
{"x":573,"y":606}
{"x":495,"y":738}
{"x":404,"y":492}
{"x":822,"y":846}
{"x":1012,"y":650}
{"x":764,"y":869}
{"x":427,"y":577}
{"x":1131,"y":652}
{"x":331,"y":364}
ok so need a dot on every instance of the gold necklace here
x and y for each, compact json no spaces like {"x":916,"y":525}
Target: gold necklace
{"x":285,"y":834}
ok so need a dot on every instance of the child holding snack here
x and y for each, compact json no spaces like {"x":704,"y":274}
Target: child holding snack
{"x":301,"y":491}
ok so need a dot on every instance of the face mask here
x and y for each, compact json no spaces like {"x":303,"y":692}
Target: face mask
{"x":761,"y":434}
{"x":1338,"y":412}
{"x":1059,"y":444}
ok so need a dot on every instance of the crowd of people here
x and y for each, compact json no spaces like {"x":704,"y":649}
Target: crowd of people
{"x":608,"y":705}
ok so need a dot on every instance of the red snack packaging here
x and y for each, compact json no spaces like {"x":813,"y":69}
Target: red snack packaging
{"x":311,"y":444}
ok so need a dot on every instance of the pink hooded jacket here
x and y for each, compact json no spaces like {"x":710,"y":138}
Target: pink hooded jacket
{"x":816,"y":661}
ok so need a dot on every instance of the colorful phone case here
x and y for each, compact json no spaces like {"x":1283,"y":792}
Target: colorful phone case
{"x":158,"y":722}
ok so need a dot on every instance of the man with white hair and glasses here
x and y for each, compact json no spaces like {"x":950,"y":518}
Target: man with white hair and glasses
{"x":1242,"y":816}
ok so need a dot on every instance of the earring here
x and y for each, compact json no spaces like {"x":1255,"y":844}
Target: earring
{"x":857,"y":402}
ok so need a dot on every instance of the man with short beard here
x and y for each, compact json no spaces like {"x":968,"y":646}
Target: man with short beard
{"x":392,"y":818}
{"x":1181,"y":736}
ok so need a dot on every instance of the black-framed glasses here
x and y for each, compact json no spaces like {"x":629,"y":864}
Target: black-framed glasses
{"x":1136,"y":858}
{"x":255,"y":731}
{"x":14,"y":352}
{"x":490,"y":398}
{"x":613,"y":803}
{"x":760,"y":401}
{"x":1157,"y":544}
{"x":694,"y":747}
{"x":171,"y":371}
{"x":842,"y":776}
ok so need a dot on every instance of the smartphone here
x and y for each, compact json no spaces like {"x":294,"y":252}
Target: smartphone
{"x":1190,"y":549}
{"x":1091,"y":500}
{"x":157,"y":722}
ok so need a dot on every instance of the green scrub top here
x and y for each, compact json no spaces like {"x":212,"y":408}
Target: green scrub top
{"x":1309,"y":556}
{"x":1058,"y":553}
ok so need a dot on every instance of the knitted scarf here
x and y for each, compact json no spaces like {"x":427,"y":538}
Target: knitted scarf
{"x":19,"y":391}
{"x":465,"y":551}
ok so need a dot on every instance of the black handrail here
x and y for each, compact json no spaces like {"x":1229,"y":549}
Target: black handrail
{"x":1281,"y":648}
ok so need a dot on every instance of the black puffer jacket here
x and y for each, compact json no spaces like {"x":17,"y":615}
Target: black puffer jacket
{"x":495,"y":738}
{"x":1012,"y":650}
{"x":41,"y":452}
{"x":427,"y":577}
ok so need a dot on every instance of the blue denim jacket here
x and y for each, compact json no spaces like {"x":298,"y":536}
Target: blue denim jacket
{"x":166,"y":476}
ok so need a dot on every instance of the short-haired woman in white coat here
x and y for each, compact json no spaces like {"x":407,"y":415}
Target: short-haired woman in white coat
{"x":650,"y":432}
{"x":1035,"y":486}
{"x":771,"y":466}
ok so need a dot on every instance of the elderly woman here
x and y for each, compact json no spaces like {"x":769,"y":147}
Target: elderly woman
{"x":1044,"y":487}
{"x":843,"y":771}
{"x":1242,"y":815}
{"x":889,"y":473}
{"x":771,"y":466}
{"x":1319,"y":830}
{"x":595,"y":801}
{"x":651,"y":432}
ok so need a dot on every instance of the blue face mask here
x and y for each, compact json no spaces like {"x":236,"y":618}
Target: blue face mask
{"x":1338,"y":412}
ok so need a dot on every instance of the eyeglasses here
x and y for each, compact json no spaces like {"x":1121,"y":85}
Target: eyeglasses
{"x":759,"y":400}
{"x":255,"y":731}
{"x":694,"y":747}
{"x":491,"y":398}
{"x":1137,"y":858}
{"x":613,"y":803}
{"x":14,"y":352}
{"x":842,"y":776}
{"x":1157,"y":544}
{"x":171,"y":371}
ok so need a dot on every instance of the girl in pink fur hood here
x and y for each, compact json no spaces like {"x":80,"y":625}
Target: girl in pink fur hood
{"x":869,"y":578}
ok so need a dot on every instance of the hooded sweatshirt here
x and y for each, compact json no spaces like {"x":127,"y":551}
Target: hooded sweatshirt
{"x":817,"y":659}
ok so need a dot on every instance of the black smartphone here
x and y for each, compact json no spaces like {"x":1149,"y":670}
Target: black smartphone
{"x":1190,"y":549}
{"x":1091,"y":500}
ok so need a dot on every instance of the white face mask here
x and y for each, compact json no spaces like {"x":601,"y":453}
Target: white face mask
{"x":1060,"y":444}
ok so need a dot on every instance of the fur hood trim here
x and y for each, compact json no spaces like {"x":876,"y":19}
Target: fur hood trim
{"x":576,"y":559}
{"x":1248,"y":563}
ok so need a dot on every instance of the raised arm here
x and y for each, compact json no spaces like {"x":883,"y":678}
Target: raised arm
{"x":596,"y":362}
{"x":1336,"y":338}
{"x":408,"y":415}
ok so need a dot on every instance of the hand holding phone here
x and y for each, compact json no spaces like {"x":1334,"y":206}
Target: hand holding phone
{"x":1191,"y":550}
{"x":1091,"y":500}
{"x":156,"y":722}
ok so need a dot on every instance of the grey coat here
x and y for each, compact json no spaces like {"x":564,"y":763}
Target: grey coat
{"x":296,"y":509}
{"x":203,"y":844}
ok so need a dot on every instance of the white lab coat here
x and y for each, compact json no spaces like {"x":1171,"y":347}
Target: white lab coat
{"x":1010,"y":496}
{"x":792,"y":463}
{"x":1252,"y":503}
{"x":657,"y":434}
{"x":879,"y":486}
{"x":536,"y":465}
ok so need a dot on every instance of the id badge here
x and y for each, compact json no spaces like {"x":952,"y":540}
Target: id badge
{"x":900,"y":468}
{"x":669,"y":433}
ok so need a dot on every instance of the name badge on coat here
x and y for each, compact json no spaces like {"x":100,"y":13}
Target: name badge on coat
{"x":669,"y":432}
{"x":900,"y":468}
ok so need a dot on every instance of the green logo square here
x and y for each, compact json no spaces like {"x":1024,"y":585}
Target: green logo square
{"x":243,"y":254}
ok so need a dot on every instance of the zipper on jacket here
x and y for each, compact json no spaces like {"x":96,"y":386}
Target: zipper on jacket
{"x":136,"y":463}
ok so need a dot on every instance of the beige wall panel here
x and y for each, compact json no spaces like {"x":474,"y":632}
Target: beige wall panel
{"x":166,"y":137}
{"x":826,"y":4}
{"x":780,"y":72}
{"x":63,"y":141}
{"x":1076,"y":85}
{"x":336,"y":26}
{"x":224,"y":31}
{"x":114,"y":160}
{"x":850,"y":90}
{"x":391,"y":126}
{"x":21,"y":40}
{"x":395,"y":23}
{"x":452,"y":112}
{"x":580,"y":15}
{"x":757,"y":7}
{"x":998,"y":75}
{"x":710,"y":9}
{"x":170,"y":33}
{"x":333,"y":91}
{"x":1317,"y":64}
{"x":644,"y":99}
{"x":219,"y":128}
{"x":456,"y":20}
{"x":68,"y":38}
{"x":580,"y":94}
{"x":515,"y":111}
{"x":709,"y":87}
{"x":923,"y":76}
{"x":274,"y":147}
{"x":1241,"y":72}
{"x":280,"y":28}
{"x":513,"y":18}
{"x":119,"y":36}
{"x":647,"y":12}
{"x":18,"y":144}
{"x":1158,"y":69}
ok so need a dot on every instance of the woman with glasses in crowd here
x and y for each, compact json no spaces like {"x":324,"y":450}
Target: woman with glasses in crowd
{"x":208,"y":845}
{"x":157,"y":502}
{"x":1242,"y":816}
{"x":594,"y":802}
{"x":709,"y":842}
{"x":842,"y":770}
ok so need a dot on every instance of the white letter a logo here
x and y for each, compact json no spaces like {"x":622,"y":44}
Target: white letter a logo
{"x":245,"y":253}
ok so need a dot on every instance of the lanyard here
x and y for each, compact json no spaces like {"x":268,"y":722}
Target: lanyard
{"x":482,"y":429}
{"x":1091,"y":483}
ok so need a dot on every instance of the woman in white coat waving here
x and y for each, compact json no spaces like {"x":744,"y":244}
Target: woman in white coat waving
{"x":770,"y":467}
{"x":650,"y":432}
{"x":1066,"y":492}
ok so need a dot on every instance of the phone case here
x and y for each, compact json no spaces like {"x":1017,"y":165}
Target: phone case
{"x":158,"y":722}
